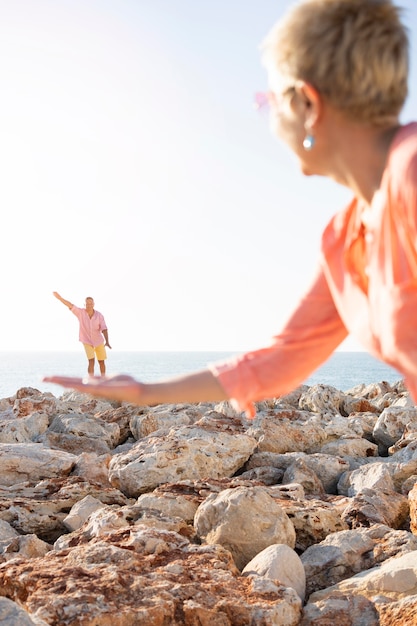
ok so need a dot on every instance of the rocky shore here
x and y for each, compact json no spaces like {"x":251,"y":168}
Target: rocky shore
{"x":116,"y":515}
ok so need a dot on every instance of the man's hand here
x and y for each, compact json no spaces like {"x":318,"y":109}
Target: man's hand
{"x":61,"y":299}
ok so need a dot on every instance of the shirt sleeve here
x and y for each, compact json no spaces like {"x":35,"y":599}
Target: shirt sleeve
{"x":402,"y":177}
{"x":103,"y":325}
{"x":309,"y":337}
{"x":76,"y":310}
{"x":408,"y":192}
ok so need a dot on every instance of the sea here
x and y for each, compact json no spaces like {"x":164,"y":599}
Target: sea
{"x":343,"y":370}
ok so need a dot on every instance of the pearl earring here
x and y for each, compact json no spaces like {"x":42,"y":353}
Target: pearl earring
{"x":308,"y":143}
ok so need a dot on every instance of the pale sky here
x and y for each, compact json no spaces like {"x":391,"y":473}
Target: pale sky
{"x":136,"y":170}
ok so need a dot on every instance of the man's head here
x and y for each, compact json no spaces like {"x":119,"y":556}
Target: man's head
{"x":89,"y":303}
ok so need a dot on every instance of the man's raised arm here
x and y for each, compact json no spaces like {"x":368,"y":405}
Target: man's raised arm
{"x":61,"y":299}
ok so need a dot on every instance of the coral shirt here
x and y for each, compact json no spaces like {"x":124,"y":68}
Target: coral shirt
{"x":366,"y":285}
{"x":90,"y":328}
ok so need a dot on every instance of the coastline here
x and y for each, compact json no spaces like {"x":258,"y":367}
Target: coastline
{"x":343,"y":370}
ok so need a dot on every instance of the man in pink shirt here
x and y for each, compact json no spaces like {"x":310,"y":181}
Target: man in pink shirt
{"x":92,"y":330}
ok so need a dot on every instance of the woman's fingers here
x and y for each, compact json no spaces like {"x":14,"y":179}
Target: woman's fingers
{"x":118,"y":387}
{"x":65,"y":381}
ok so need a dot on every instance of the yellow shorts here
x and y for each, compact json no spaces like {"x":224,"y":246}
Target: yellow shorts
{"x":98,"y":351}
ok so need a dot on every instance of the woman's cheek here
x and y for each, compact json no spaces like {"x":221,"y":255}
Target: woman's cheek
{"x":285,"y":131}
{"x":276,"y":126}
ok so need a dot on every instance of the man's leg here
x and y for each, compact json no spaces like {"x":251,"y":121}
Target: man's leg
{"x":101,"y":355}
{"x":89,"y":351}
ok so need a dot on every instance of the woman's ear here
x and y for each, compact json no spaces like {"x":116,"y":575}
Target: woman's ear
{"x":312,"y":101}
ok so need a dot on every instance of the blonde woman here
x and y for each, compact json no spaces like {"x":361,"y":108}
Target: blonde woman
{"x":337,"y":72}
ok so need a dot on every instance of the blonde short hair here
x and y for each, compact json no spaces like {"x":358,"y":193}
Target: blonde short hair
{"x":354,"y":52}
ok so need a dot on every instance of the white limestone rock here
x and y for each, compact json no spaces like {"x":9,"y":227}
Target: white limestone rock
{"x":279,"y":562}
{"x":163,"y":417}
{"x":245,"y":520}
{"x":215,"y":447}
{"x":81,"y":511}
{"x":403,"y":464}
{"x":350,"y":447}
{"x":327,"y":467}
{"x":371,"y":476}
{"x":24,"y":429}
{"x":93,"y":468}
{"x":352,"y":404}
{"x":375,"y":506}
{"x":312,"y":517}
{"x":362,"y":597}
{"x":346,"y":553}
{"x":14,"y":544}
{"x":11,"y":614}
{"x":80,"y":425}
{"x":173,"y":505}
{"x":30,"y":461}
{"x":300,"y":473}
{"x":29,"y":400}
{"x":288,"y":430}
{"x":323,"y":399}
{"x":393,"y":422}
{"x":338,"y":426}
{"x":77,"y":402}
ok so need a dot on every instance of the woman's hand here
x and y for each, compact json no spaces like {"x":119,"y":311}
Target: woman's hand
{"x":119,"y":387}
{"x":196,"y":387}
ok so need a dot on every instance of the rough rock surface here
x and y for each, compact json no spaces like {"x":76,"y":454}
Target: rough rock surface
{"x":193,"y":515}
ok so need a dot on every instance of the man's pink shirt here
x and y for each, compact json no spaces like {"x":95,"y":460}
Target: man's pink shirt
{"x":366,"y":286}
{"x":90,"y":328}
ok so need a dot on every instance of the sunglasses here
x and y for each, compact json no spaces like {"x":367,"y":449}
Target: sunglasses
{"x":265,"y":100}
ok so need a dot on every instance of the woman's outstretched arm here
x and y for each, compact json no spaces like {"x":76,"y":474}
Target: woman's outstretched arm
{"x":200,"y":386}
